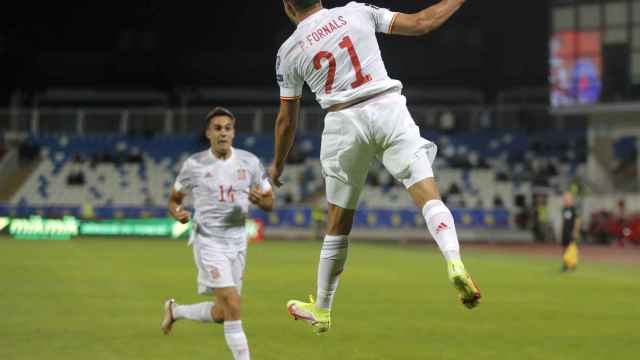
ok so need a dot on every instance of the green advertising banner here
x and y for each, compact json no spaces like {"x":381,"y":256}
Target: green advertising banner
{"x":130,"y":227}
{"x":38,"y":228}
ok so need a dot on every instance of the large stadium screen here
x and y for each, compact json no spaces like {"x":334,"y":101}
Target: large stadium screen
{"x":575,"y":68}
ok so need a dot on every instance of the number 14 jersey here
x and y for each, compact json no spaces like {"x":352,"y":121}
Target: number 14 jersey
{"x":220,"y":193}
{"x":335,"y":51}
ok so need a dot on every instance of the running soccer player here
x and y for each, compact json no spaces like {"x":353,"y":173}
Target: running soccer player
{"x":223,"y":181}
{"x":335,"y":51}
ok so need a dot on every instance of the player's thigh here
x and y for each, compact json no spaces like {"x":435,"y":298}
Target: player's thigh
{"x":345,"y":155}
{"x":405,"y":153}
{"x":205,"y":285}
{"x":229,"y":300}
{"x":214,"y":268}
{"x":238,"y":265}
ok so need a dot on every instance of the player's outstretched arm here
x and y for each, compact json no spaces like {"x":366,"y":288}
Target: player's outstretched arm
{"x":175,"y":207}
{"x":426,"y":20}
{"x":285,"y":133}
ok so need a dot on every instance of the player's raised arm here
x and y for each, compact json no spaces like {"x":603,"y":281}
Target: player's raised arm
{"x":286,"y":124}
{"x":426,"y":20}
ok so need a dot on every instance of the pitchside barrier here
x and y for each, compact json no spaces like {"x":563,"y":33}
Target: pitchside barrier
{"x":298,"y":217}
{"x":66,"y":222}
{"x":68,"y":227}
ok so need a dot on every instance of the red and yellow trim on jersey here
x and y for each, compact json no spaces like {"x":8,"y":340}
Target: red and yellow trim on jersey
{"x":393,"y":21}
{"x":290,"y":98}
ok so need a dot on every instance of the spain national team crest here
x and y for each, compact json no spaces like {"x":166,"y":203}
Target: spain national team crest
{"x":242,"y":174}
{"x":215,"y":273}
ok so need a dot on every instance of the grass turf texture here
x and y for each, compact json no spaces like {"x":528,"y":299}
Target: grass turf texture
{"x":102,"y":299}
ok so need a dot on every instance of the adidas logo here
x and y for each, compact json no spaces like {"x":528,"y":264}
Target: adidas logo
{"x":442,"y":227}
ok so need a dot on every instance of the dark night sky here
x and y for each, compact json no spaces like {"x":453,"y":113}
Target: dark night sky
{"x":488,"y":45}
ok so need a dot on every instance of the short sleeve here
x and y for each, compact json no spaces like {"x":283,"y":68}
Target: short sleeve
{"x":289,"y":81}
{"x":381,"y":17}
{"x":185,"y":182}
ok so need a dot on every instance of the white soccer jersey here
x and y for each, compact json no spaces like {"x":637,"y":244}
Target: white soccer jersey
{"x":335,"y":51}
{"x":220,"y":194}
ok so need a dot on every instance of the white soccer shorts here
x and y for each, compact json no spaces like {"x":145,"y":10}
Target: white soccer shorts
{"x":380,"y":128}
{"x":218,"y":269}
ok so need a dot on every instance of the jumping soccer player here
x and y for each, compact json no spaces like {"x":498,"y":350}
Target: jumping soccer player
{"x":223,"y":182}
{"x":335,"y":51}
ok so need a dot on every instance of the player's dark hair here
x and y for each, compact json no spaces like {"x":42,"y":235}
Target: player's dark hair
{"x":219,"y":111}
{"x":303,"y":5}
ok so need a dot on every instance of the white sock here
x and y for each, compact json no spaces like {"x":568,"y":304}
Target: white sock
{"x":198,"y":312}
{"x":443,"y":229}
{"x":236,"y":340}
{"x":332,"y":259}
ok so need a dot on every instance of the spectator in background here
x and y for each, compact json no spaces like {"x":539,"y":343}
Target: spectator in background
{"x":28,"y":150}
{"x":447,"y":122}
{"x":88,"y":212}
{"x":454,"y":196}
{"x":134,"y":156}
{"x":454,"y":189}
{"x":76,"y":175}
{"x":571,"y":224}
{"x":319,"y":217}
{"x":77,"y":158}
{"x":541,"y":226}
{"x":76,"y":178}
{"x":3,"y":149}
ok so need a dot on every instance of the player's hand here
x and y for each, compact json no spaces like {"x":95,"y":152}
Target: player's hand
{"x":182,"y":215}
{"x":255,"y":196}
{"x":274,"y":173}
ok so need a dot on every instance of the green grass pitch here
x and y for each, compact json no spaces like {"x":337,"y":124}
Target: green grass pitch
{"x":102,"y":299}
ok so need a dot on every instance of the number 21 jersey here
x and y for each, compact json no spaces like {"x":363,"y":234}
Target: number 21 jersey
{"x":335,"y":51}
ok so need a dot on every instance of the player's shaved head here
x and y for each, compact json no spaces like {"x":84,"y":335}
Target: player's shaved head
{"x":297,"y":10}
{"x":302,"y":5}
{"x":220,"y":111}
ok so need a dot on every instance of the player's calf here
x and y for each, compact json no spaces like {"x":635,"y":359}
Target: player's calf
{"x":205,"y":312}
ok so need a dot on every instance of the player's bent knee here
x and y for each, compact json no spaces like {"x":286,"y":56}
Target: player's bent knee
{"x":419,"y":169}
{"x":232,"y":311}
{"x":424,"y":191}
{"x":340,"y":220}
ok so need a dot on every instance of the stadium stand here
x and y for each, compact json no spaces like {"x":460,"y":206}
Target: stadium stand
{"x":139,"y":171}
